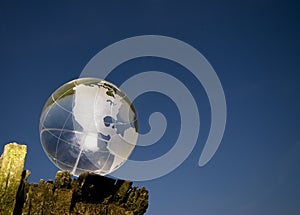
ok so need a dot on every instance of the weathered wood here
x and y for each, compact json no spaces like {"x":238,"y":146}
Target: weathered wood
{"x":89,"y":194}
{"x":11,"y":168}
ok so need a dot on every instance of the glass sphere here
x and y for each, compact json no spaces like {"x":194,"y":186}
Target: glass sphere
{"x":88,"y":124}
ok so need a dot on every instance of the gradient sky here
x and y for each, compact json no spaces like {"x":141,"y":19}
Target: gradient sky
{"x":253,"y":47}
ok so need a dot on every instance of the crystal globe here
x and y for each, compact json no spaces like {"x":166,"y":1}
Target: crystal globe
{"x":88,"y":124}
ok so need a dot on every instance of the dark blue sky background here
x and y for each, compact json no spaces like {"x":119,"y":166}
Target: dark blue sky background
{"x":252,"y":45}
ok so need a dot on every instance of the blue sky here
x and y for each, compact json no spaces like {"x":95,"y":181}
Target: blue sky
{"x":253,"y":47}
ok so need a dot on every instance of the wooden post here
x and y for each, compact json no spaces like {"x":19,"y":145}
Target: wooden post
{"x":89,"y":194}
{"x":11,"y":168}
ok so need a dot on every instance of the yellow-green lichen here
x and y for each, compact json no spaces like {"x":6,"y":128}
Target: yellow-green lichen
{"x":12,"y":164}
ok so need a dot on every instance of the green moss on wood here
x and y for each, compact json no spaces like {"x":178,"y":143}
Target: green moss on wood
{"x":89,"y":194}
{"x":12,"y":164}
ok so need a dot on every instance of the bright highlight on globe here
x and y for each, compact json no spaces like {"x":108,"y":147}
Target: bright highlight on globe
{"x":88,"y":124}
